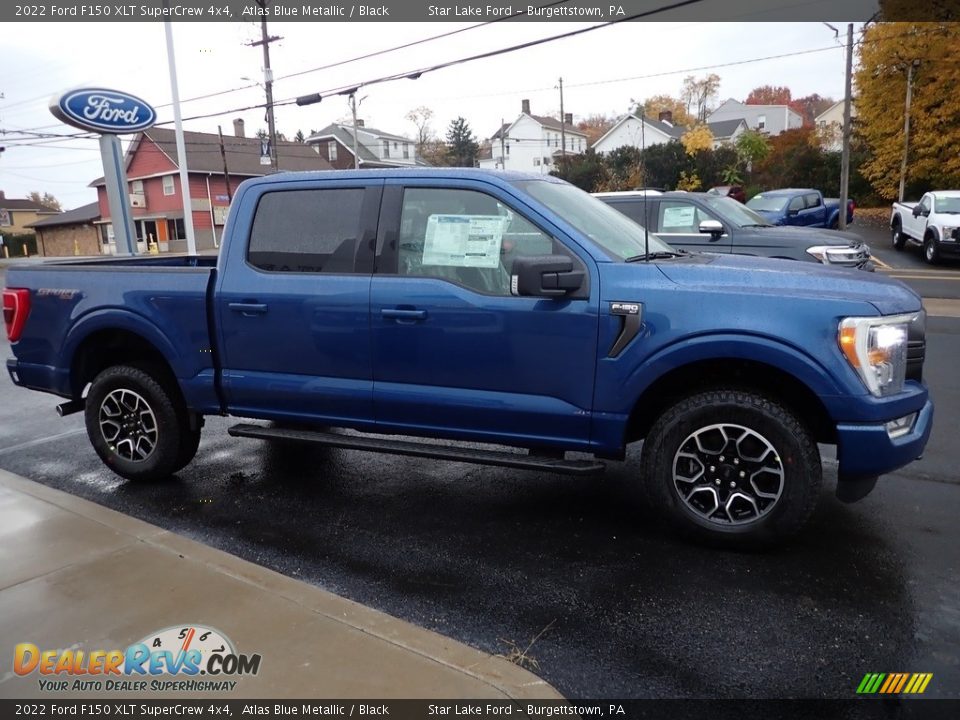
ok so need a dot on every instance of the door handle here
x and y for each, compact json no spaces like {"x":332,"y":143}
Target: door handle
{"x":403,"y":315}
{"x":248,"y":309}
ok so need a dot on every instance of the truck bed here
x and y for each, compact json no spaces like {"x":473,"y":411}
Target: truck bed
{"x":162,"y":299}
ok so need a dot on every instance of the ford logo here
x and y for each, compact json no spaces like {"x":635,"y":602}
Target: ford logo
{"x":103,"y":111}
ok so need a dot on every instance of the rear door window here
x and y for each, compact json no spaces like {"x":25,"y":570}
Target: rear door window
{"x":307,"y":231}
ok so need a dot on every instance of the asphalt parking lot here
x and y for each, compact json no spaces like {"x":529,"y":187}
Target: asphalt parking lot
{"x":580,"y":570}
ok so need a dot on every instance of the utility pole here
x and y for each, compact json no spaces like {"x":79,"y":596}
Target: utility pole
{"x":265,"y":41}
{"x":563,"y":131}
{"x":503,"y":151}
{"x":845,"y":156}
{"x":181,"y":148}
{"x":226,"y":173}
{"x":906,"y":128}
{"x":353,"y":110}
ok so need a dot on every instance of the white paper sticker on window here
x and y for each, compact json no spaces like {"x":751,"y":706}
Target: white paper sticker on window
{"x":678,"y":217}
{"x":464,"y":240}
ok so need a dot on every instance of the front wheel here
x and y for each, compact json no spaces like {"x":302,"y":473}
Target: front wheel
{"x":899,"y":239}
{"x":733,"y":466}
{"x":931,"y":253}
{"x":136,"y":424}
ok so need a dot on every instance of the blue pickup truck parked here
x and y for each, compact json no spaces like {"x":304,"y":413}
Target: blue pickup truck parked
{"x":806,"y":208}
{"x":494,"y":308}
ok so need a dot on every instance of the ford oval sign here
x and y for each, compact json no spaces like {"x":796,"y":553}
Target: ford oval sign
{"x":103,"y":111}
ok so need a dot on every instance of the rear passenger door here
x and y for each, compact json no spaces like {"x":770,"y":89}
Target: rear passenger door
{"x":454,"y":352}
{"x":814,"y":213}
{"x":292,"y":303}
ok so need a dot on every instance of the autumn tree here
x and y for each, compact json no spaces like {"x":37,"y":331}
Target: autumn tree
{"x":420,"y":117}
{"x":769,"y":95}
{"x":696,"y":139}
{"x":656,"y":104}
{"x":699,"y":94}
{"x":462,"y":146}
{"x":811,"y":105}
{"x":885,"y":53}
{"x":595,"y":126}
{"x":46,"y":199}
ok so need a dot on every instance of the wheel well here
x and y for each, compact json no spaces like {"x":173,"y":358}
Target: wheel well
{"x":929,"y":234}
{"x":731,"y":372}
{"x":106,"y":348}
{"x":896,"y":222}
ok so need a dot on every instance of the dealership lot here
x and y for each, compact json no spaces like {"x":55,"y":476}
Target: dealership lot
{"x":496,"y":557}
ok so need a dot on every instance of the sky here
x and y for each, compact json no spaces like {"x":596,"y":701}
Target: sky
{"x":603,"y":71}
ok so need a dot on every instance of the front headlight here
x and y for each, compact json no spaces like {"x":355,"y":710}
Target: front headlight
{"x":949,"y":234}
{"x":836,"y":254}
{"x":876,"y":347}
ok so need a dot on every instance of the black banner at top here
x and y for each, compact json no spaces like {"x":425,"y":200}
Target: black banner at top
{"x":479,"y":10}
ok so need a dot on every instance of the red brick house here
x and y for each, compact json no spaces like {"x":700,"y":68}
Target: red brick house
{"x":153,"y":175}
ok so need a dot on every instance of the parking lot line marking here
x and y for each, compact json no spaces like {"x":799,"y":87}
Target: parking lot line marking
{"x":942,"y":307}
{"x":924,"y":277}
{"x":40,"y":441}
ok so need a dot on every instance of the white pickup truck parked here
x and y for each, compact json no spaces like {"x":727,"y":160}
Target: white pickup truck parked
{"x":934,"y":223}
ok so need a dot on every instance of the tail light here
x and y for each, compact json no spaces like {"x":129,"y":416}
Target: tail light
{"x":16,"y":307}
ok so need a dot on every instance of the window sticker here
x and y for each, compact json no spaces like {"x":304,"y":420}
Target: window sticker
{"x":464,"y":240}
{"x":674,"y":217}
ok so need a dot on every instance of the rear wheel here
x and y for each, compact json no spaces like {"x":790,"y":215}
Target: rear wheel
{"x":136,"y":424}
{"x":931,"y":252}
{"x":897,"y":236}
{"x":732,"y":466}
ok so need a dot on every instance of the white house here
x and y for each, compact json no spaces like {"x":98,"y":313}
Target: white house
{"x":532,"y":143}
{"x":375,"y":148}
{"x":769,"y":119}
{"x":638,"y":132}
{"x":829,"y":125}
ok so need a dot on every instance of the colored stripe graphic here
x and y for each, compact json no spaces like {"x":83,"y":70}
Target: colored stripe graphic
{"x":894,"y":683}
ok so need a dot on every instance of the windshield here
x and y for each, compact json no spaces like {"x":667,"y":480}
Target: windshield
{"x":768,"y":203}
{"x":733,"y":212}
{"x":948,"y":205}
{"x":617,"y":234}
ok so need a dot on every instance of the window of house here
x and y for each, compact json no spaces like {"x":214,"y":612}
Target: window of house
{"x":106,"y":233}
{"x":332,"y":151}
{"x":136,"y":187}
{"x":761,"y":122}
{"x":508,"y":149}
{"x":406,"y":151}
{"x":176,"y":229}
{"x":386,"y":148}
{"x":536,"y":162}
{"x":311,"y":231}
{"x":168,"y":186}
{"x":466,"y":237}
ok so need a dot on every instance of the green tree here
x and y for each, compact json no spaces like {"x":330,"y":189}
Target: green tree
{"x":300,"y":137}
{"x":586,"y":170}
{"x":752,"y":147}
{"x":663,"y":164}
{"x":885,"y":53}
{"x":462,"y":146}
{"x":46,"y":199}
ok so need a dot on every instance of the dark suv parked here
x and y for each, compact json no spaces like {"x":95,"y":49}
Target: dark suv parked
{"x":711,"y":223}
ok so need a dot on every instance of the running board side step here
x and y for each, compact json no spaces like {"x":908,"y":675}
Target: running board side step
{"x":438,"y":452}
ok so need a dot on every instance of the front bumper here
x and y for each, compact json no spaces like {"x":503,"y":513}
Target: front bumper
{"x":866,"y":450}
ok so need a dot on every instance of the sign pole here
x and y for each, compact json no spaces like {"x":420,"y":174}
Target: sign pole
{"x":181,"y":149}
{"x":115,"y":177}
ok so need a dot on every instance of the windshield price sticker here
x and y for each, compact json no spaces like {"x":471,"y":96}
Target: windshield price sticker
{"x":464,"y":240}
{"x":678,"y":217}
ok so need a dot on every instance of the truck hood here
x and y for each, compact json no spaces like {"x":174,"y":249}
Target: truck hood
{"x":802,"y":237}
{"x":789,"y":277}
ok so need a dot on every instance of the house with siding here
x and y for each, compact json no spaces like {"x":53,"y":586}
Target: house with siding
{"x":769,"y":119}
{"x":375,"y":148}
{"x":17,"y":214}
{"x":643,"y":131}
{"x":73,"y":232}
{"x":153,"y":176}
{"x":532,"y":143}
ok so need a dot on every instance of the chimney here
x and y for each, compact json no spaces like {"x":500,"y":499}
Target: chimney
{"x":568,"y":119}
{"x":238,"y":128}
{"x":360,"y":122}
{"x":525,"y":106}
{"x":666,"y":116}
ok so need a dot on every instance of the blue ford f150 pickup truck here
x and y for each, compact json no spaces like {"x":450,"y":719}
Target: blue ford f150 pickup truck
{"x":493,"y":308}
{"x":807,"y":208}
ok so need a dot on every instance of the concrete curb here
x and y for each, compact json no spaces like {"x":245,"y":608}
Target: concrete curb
{"x":60,"y":554}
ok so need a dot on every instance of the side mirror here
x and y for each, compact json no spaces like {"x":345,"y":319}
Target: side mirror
{"x":917,"y":211}
{"x":545,"y":276}
{"x":711,"y":227}
{"x":793,"y":211}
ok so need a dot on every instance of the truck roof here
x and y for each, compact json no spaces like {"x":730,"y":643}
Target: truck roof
{"x":788,"y":191}
{"x":945,"y":193}
{"x":507,"y":176}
